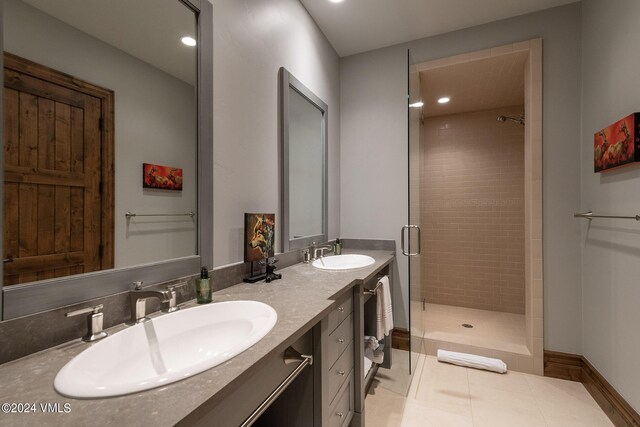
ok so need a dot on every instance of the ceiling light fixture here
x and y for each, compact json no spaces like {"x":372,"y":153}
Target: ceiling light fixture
{"x":416,"y":104}
{"x":336,"y":1}
{"x":444,"y":100}
{"x":189,"y":41}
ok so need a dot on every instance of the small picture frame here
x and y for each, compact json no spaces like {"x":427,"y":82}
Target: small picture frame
{"x":617,"y":145}
{"x":161,"y":177}
{"x":259,"y":236}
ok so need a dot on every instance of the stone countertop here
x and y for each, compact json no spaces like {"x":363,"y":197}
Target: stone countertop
{"x":301,"y":298}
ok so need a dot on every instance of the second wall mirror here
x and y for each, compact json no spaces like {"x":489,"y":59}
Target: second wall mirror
{"x":303,"y":138}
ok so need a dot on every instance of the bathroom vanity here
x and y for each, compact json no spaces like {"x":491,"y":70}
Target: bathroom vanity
{"x":320,"y":313}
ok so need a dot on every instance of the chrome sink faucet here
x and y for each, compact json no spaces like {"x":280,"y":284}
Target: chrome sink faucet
{"x":138,"y":298}
{"x":315,"y":249}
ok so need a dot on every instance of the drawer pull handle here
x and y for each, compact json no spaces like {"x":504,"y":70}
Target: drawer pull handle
{"x":341,"y":373}
{"x":341,"y":309}
{"x":341,"y":340}
{"x":340,"y":414}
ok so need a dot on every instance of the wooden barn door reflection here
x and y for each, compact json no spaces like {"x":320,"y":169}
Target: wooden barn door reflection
{"x":58,"y":180}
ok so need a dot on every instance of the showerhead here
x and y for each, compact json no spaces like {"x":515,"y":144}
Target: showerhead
{"x":519,"y":119}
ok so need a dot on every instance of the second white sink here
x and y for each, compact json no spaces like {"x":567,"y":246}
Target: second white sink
{"x":165,"y":349}
{"x":343,"y":262}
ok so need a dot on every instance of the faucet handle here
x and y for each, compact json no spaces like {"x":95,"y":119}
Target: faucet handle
{"x":137,"y":285}
{"x":95,"y":322}
{"x":94,"y":310}
{"x":172,"y":304}
{"x":176,"y":286}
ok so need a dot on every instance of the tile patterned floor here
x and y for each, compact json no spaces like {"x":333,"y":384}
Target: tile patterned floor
{"x":443,"y":395}
{"x":397,"y":379}
{"x":491,"y":329}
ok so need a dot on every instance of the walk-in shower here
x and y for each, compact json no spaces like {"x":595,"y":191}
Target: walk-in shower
{"x":475,"y":288}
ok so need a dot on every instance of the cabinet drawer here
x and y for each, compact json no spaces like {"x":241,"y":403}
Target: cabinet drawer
{"x":339,"y":340}
{"x":338,"y":314}
{"x":339,"y":372}
{"x":341,"y":411}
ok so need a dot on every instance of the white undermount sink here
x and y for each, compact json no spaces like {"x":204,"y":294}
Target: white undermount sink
{"x":343,"y":262}
{"x":165,"y":349}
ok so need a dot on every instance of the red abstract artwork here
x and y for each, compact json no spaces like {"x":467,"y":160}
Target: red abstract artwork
{"x":161,"y":177}
{"x":618,"y":144}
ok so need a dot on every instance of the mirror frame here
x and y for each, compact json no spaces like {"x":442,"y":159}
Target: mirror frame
{"x":29,"y":298}
{"x":287,"y":80}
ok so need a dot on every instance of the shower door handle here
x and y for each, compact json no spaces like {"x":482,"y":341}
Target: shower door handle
{"x":402,"y":241}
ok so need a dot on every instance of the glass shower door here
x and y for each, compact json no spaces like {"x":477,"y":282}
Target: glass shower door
{"x":412,"y":230}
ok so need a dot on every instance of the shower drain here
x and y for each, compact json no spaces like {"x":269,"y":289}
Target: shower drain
{"x":467,"y":325}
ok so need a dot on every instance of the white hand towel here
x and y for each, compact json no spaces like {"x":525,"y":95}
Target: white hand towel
{"x":472,"y":361}
{"x":372,"y":349}
{"x":384,"y":311}
{"x":367,"y":365}
{"x":376,"y":356}
{"x":371,"y":342}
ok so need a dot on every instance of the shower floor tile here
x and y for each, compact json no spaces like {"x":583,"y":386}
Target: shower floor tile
{"x":491,"y":329}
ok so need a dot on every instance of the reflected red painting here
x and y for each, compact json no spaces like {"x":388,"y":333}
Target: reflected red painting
{"x":618,"y":144}
{"x":161,"y":177}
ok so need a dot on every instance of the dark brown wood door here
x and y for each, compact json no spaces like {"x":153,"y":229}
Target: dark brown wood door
{"x":53,"y":224}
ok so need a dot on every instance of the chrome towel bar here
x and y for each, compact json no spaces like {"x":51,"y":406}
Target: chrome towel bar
{"x":373,"y":291}
{"x":133,"y":215}
{"x":290,"y":356}
{"x":590,"y":215}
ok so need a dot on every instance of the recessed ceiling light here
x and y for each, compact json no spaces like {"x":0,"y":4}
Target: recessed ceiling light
{"x":444,"y":100}
{"x":336,"y":1}
{"x":189,"y":41}
{"x":416,"y":104}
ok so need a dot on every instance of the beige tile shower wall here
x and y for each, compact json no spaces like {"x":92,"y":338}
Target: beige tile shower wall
{"x":472,"y":211}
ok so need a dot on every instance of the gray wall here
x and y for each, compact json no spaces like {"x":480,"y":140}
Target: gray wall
{"x":610,"y":248}
{"x":253,"y":39}
{"x":373,"y":155}
{"x":374,"y":149}
{"x":154,"y":123}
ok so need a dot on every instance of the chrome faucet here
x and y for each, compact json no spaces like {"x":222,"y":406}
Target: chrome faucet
{"x":138,"y":298}
{"x":315,"y":249}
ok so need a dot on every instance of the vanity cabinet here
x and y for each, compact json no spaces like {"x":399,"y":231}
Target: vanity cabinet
{"x":339,"y":340}
{"x":326,"y":394}
{"x":342,"y":409}
{"x":329,"y":393}
{"x":240,"y":403}
{"x":342,"y":311}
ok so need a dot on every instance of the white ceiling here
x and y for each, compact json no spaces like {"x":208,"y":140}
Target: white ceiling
{"x":147,"y":29}
{"x":355,"y":26}
{"x":485,"y":84}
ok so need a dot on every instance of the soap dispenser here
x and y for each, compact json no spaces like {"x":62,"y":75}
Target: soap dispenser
{"x":203,"y":287}
{"x":337,"y":247}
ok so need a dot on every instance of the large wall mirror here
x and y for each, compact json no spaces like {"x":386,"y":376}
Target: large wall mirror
{"x":103,"y":140}
{"x":304,"y":179}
